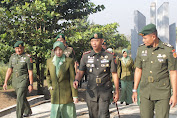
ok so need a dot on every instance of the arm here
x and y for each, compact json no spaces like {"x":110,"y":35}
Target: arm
{"x":173,"y":77}
{"x":30,"y":87}
{"x":78,"y":77}
{"x":8,"y":74}
{"x":116,"y":83}
{"x":74,"y":91}
{"x":137,"y":78}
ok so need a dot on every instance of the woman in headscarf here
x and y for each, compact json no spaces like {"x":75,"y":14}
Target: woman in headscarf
{"x":60,"y":76}
{"x":125,"y":70}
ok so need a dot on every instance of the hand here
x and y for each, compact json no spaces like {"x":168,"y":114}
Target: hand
{"x":5,"y":86}
{"x":75,"y":84}
{"x":173,"y":101}
{"x":30,"y":88}
{"x":75,"y":100}
{"x":134,"y":97}
{"x":50,"y":88}
{"x":116,"y":97}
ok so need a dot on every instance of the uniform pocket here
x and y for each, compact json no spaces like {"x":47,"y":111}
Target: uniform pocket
{"x":164,"y":83}
{"x":144,"y":62}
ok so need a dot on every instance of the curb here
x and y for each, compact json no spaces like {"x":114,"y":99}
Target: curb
{"x":32,"y":102}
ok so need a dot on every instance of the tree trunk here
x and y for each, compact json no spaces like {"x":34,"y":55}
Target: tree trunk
{"x":39,"y":84}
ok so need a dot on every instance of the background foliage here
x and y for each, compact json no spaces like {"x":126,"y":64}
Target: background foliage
{"x":37,"y":22}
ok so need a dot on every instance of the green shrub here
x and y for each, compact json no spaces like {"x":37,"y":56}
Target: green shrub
{"x":3,"y":70}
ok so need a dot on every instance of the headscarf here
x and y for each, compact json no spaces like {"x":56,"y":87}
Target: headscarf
{"x":58,"y":61}
{"x":125,"y":60}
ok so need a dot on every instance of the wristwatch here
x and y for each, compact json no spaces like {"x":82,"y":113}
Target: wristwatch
{"x":31,"y":85}
{"x":134,"y":90}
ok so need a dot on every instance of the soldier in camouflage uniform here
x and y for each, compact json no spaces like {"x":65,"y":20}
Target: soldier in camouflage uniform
{"x":21,"y":66}
{"x":155,"y":64}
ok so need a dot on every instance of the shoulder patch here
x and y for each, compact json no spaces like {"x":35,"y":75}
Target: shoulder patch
{"x":87,"y":52}
{"x":141,"y":44}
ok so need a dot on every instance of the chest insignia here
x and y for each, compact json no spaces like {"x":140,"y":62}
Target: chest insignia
{"x":90,"y":59}
{"x":164,"y":56}
{"x":159,"y":56}
{"x":22,"y":59}
{"x":144,"y":53}
{"x":104,"y":61}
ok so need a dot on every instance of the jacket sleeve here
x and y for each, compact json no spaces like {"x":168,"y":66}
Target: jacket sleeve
{"x":48,"y":77}
{"x":72,"y":76}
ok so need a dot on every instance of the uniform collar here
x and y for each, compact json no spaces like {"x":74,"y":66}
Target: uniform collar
{"x":94,"y":53}
{"x":160,"y":45}
{"x":20,"y":55}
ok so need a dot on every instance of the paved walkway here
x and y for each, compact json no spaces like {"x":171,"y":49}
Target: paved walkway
{"x":130,"y":111}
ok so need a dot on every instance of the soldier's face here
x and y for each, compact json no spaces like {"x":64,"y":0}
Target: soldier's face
{"x":96,"y":44}
{"x":58,"y":52}
{"x":149,"y":39}
{"x":19,"y":50}
{"x":124,"y":54}
{"x":61,"y":40}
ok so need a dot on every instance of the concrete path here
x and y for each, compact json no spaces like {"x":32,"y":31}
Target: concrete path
{"x":130,"y":111}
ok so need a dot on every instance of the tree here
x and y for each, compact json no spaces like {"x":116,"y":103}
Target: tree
{"x":79,"y":34}
{"x":36,"y":23}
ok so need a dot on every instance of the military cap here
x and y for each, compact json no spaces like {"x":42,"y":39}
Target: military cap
{"x":97,"y":36}
{"x":148,"y":29}
{"x":60,"y":36}
{"x":104,"y":43}
{"x":18,"y":44}
{"x":58,"y":44}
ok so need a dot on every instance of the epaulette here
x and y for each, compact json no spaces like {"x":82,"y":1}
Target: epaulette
{"x":108,"y":52}
{"x":87,"y":52}
{"x":141,"y":44}
{"x":168,"y":45}
{"x":13,"y":54}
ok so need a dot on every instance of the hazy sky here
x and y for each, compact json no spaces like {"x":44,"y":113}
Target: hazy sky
{"x":121,"y":11}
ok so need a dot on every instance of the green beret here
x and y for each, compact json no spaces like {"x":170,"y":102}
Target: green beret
{"x":60,"y":36}
{"x":18,"y":44}
{"x":148,"y":29}
{"x":97,"y":36}
{"x":58,"y":44}
{"x":104,"y":43}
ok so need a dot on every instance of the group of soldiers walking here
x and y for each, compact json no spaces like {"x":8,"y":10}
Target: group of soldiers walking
{"x":154,"y":70}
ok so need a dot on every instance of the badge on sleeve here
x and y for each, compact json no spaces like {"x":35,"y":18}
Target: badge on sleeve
{"x":174,"y":53}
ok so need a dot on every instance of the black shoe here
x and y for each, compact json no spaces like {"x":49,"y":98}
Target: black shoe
{"x":27,"y":115}
{"x":127,"y":104}
{"x":121,"y":102}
